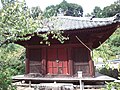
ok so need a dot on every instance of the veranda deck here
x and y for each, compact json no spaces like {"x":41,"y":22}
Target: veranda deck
{"x":98,"y":78}
{"x":88,"y":83}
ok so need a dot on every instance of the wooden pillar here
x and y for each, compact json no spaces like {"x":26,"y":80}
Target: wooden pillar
{"x":70,"y":62}
{"x":43,"y":66}
{"x":91,"y":66}
{"x":71,"y":67}
{"x":27,"y":66}
{"x":92,"y":69}
{"x":44,"y":63}
{"x":91,"y":62}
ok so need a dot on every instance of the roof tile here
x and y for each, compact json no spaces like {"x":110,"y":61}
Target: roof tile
{"x":70,"y":23}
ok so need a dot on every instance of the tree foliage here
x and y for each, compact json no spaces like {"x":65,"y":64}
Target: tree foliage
{"x":17,"y":23}
{"x":11,"y":63}
{"x":36,"y":12}
{"x":111,"y":10}
{"x":97,"y":12}
{"x":50,"y":11}
{"x":107,"y":11}
{"x":64,"y":8}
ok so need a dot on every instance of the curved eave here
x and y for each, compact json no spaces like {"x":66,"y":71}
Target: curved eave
{"x":106,"y":33}
{"x":96,"y":35}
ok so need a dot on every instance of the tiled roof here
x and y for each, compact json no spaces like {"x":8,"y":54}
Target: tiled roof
{"x":72,"y":23}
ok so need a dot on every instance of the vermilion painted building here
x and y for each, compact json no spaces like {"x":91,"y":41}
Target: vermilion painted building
{"x":58,"y":60}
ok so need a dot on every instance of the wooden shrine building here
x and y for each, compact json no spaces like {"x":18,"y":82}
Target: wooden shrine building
{"x":65,"y":60}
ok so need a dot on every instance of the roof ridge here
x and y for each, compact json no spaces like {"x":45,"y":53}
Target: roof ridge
{"x":87,"y":18}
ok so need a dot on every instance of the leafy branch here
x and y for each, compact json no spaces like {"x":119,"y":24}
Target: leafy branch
{"x":16,"y":23}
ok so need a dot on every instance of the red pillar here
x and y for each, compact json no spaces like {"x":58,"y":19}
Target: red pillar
{"x":92,"y":70}
{"x":70,"y":67}
{"x":91,"y":66}
{"x":70,"y":62}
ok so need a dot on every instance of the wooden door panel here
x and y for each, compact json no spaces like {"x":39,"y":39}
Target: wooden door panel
{"x":57,"y":61}
{"x":50,"y":70}
{"x":65,"y":63}
{"x":62,"y":55}
{"x":54,"y":70}
{"x":60,"y":64}
{"x":65,"y":71}
{"x":54,"y":63}
{"x":50,"y":63}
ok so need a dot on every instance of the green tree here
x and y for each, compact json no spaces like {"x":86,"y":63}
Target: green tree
{"x":50,"y":11}
{"x":107,"y":11}
{"x":11,"y":63}
{"x":97,"y":12}
{"x":114,"y":42}
{"x":65,"y":8}
{"x":15,"y":22}
{"x":74,"y":10}
{"x":111,"y":10}
{"x":35,"y":12}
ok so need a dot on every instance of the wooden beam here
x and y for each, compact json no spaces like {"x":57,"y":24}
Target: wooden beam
{"x":56,"y":46}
